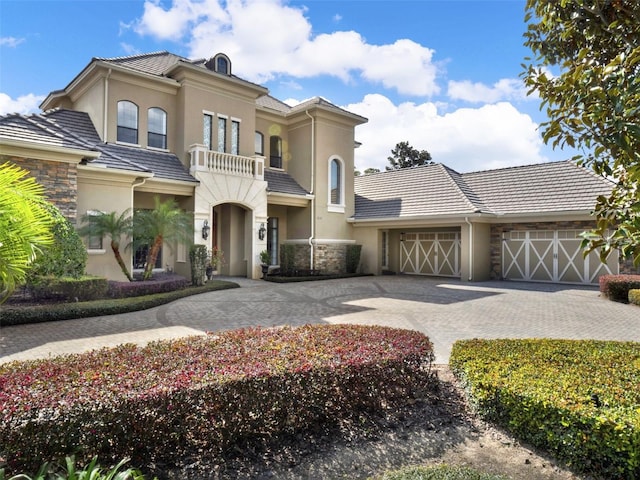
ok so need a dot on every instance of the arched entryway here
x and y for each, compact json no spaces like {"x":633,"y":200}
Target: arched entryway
{"x":231,"y":233}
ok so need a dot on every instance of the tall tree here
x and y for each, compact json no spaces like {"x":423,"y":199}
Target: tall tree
{"x":592,"y":99}
{"x":112,"y":225}
{"x":25,"y":226}
{"x":167,"y":222}
{"x":404,"y":156}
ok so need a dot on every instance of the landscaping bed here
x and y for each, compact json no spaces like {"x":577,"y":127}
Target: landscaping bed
{"x":169,"y":399}
{"x":579,"y":400}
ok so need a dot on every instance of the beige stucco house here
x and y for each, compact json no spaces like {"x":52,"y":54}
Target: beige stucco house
{"x":257,"y":174}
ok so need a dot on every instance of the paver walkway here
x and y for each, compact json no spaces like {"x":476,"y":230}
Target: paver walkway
{"x":445,"y":310}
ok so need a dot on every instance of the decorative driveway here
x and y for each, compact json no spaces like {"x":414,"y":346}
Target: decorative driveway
{"x":445,"y":310}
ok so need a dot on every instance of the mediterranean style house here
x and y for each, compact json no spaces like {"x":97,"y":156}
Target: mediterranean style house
{"x":258,"y":174}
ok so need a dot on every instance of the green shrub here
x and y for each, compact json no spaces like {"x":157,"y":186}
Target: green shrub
{"x":20,"y":315}
{"x":205,"y":393}
{"x":580,"y":400}
{"x":199,"y":257}
{"x":634,"y":296}
{"x":353,"y":258}
{"x":287,"y":257}
{"x":66,"y":257}
{"x":616,"y":287}
{"x":69,"y":289}
{"x":69,"y":471}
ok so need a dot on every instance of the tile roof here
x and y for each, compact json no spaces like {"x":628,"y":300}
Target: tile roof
{"x":272,"y":103}
{"x":420,"y":191}
{"x":434,"y":190}
{"x":282,"y":182}
{"x":544,"y":187}
{"x":74,"y":129}
{"x":155,"y":63}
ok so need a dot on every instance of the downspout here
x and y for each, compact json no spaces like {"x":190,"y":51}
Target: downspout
{"x":105,"y":119}
{"x":466,"y":219}
{"x":313,"y":199}
{"x":133,"y":186}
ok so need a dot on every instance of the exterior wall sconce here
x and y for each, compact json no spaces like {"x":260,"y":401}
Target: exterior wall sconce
{"x":402,"y":236}
{"x":261,"y":232}
{"x":205,"y":230}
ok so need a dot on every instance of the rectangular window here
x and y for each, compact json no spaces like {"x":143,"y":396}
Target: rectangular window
{"x":384,"y":261}
{"x":235,"y":137}
{"x":272,"y":239}
{"x":222,"y":134}
{"x":207,"y":130}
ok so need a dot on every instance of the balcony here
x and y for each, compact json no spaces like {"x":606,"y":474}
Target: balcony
{"x":203,"y":160}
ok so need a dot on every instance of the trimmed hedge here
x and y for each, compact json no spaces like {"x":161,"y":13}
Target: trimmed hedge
{"x":580,"y":400}
{"x":20,"y":315}
{"x":68,"y":289}
{"x":616,"y":287}
{"x":159,"y":284}
{"x":634,"y":296}
{"x":201,"y":395}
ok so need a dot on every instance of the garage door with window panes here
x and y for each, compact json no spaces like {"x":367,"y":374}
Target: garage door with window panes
{"x":551,"y":256}
{"x":430,"y":253}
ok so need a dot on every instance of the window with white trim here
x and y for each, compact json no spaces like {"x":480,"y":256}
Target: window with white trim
{"x":336,"y":185}
{"x":94,"y":242}
{"x":127,"y":122}
{"x":384,"y":260}
{"x":275,"y":151}
{"x":222,"y":134}
{"x":157,"y":126}
{"x":207,"y":130}
{"x":259,"y":143}
{"x":235,"y":137}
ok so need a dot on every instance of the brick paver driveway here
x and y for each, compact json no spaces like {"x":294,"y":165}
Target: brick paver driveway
{"x":445,"y":310}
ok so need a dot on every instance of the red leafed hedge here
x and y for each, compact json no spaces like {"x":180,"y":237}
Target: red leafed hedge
{"x":616,"y":287}
{"x":202,"y":394}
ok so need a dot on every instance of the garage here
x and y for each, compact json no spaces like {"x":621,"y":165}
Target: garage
{"x":430,"y":253}
{"x":551,"y":256}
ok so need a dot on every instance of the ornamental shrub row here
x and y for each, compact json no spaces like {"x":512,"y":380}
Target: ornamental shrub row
{"x":68,"y":289}
{"x":580,"y":400}
{"x":616,"y":287}
{"x":200,"y":395}
{"x":634,"y":296}
{"x":20,"y":315}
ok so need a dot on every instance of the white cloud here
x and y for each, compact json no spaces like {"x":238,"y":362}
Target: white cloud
{"x":11,"y":42}
{"x":267,"y":38}
{"x":476,"y":92}
{"x":23,"y":104}
{"x":467,"y":139}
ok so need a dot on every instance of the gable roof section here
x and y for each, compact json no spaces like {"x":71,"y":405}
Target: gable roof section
{"x":434,"y":190}
{"x":429,"y":190}
{"x":544,"y":187}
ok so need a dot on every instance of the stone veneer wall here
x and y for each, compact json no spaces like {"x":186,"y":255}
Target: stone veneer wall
{"x":59,"y":179}
{"x":328,"y":258}
{"x":331,"y":258}
{"x":498,"y":229}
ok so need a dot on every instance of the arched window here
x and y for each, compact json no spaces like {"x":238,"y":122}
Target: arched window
{"x":336,"y":183}
{"x":222,"y":64}
{"x":127,"y":122}
{"x":259,"y":141}
{"x":157,"y":134}
{"x":275,"y":152}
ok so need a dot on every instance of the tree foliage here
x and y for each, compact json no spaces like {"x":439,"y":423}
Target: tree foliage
{"x":405,"y":156}
{"x":24,"y":226}
{"x":593,"y":102}
{"x":167,"y":222}
{"x":66,"y":256}
{"x":113,"y":226}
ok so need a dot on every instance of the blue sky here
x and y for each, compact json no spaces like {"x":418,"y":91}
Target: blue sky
{"x":442,"y":75}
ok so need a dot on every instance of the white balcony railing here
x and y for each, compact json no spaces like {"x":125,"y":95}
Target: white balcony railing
{"x":203,"y":160}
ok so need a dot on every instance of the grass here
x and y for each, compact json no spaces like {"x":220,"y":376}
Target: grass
{"x":440,"y":472}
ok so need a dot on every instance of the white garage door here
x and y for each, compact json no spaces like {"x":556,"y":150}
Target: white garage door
{"x":431,"y":253}
{"x":551,"y":256}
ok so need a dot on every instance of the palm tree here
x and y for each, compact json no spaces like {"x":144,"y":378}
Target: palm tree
{"x":165,"y":223}
{"x":25,"y":226}
{"x":112,"y":225}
